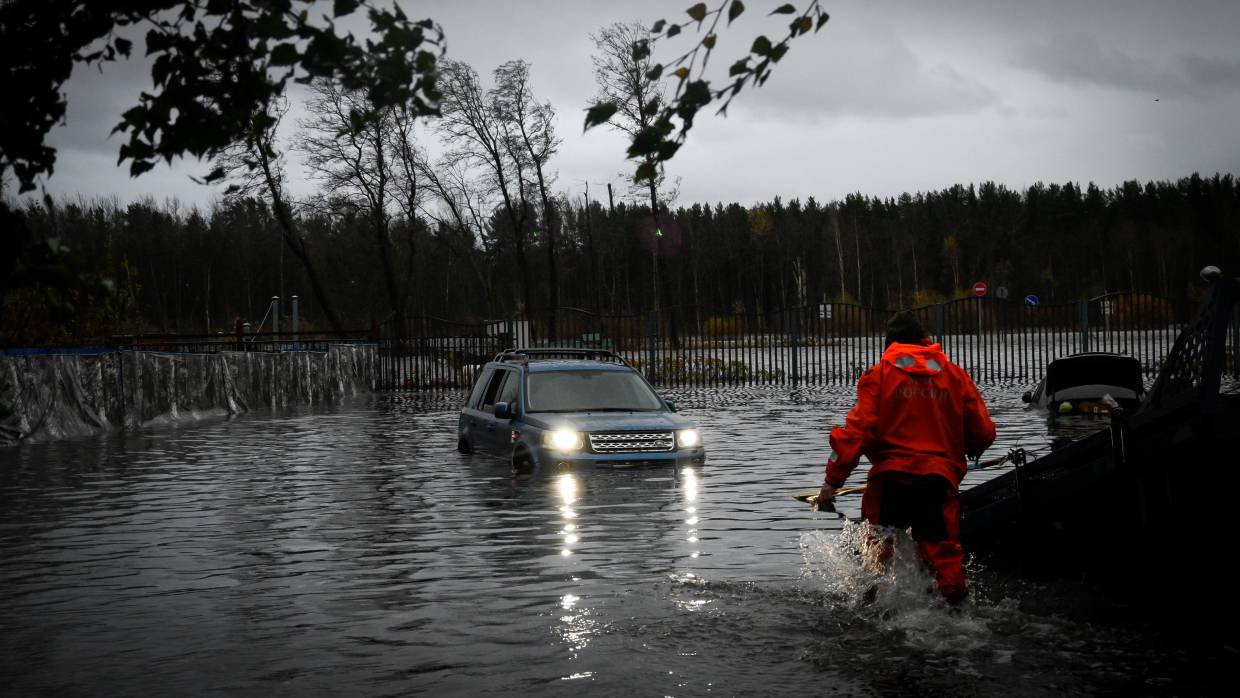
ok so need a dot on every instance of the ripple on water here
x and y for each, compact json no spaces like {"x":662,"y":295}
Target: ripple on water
{"x":349,"y":549}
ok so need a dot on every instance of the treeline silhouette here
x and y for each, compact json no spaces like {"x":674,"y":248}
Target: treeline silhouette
{"x":172,"y":269}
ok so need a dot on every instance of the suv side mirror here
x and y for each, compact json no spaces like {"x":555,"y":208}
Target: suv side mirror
{"x":1027,"y":397}
{"x":503,"y":410}
{"x":670,"y":405}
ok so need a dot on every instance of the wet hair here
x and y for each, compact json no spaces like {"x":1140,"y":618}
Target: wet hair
{"x":904,"y":328}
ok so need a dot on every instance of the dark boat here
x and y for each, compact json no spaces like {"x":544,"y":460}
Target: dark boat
{"x":1143,"y":506}
{"x":1089,"y":383}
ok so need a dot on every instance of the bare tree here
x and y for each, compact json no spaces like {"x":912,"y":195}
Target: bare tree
{"x":459,"y":218}
{"x":529,"y":135}
{"x":475,"y":135}
{"x":255,"y":167}
{"x":364,"y":170}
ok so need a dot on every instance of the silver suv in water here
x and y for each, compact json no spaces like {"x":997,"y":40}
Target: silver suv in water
{"x":565,"y":408}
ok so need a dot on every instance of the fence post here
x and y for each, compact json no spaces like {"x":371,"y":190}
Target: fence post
{"x":796,"y":346}
{"x":296,"y":322}
{"x":1084,"y":325}
{"x":938,"y":322}
{"x":275,"y":320}
{"x":652,"y":337}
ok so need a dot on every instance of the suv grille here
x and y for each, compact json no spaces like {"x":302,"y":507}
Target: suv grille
{"x":632,"y":442}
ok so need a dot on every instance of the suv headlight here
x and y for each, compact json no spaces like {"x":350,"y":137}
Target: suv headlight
{"x":563,"y":440}
{"x":688,"y":438}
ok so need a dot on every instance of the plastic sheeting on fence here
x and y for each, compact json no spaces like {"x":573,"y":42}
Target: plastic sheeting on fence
{"x":45,"y":397}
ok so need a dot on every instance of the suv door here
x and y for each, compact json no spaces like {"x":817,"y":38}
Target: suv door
{"x":470,"y":423}
{"x":491,"y":434}
{"x":509,"y":392}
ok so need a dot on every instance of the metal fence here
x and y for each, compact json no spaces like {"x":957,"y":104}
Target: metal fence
{"x":246,"y":342}
{"x":995,"y":340}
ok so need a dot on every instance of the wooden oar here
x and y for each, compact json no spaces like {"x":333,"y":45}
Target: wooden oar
{"x":811,"y":498}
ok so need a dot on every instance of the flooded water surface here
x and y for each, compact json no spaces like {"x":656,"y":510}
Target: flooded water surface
{"x":353,"y":551}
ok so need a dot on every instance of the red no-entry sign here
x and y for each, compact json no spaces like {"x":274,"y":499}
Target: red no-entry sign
{"x":979,"y":288}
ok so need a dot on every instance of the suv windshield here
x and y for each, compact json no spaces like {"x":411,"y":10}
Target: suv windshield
{"x":588,"y":391}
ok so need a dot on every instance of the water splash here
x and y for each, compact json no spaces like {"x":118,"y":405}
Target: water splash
{"x":900,"y":596}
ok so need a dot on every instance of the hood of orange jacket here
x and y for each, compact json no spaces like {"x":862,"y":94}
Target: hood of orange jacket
{"x":916,"y":412}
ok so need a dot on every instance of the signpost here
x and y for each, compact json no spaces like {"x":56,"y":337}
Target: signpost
{"x":979,"y":290}
{"x":1031,"y":300}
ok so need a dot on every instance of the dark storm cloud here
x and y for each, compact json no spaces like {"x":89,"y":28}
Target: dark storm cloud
{"x":1079,"y":59}
{"x":891,"y":96}
{"x":1211,"y":72}
{"x":868,"y":73}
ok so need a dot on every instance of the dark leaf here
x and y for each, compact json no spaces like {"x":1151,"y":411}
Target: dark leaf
{"x":123,"y":45}
{"x":344,"y":7}
{"x":137,"y":167}
{"x":157,"y":41}
{"x":681,"y":72}
{"x":641,"y":49}
{"x":697,"y":12}
{"x":645,"y":142}
{"x":599,"y":114}
{"x":213,"y":176}
{"x":658,"y":26}
{"x":761,"y":46}
{"x":159,"y":70}
{"x":673,"y":30}
{"x":284,"y":54}
{"x":785,"y":9}
{"x":667,"y":149}
{"x":822,"y":19}
{"x":741,"y":66}
{"x":709,"y":41}
{"x":645,"y":172}
{"x":655,"y":73}
{"x":803,"y":25}
{"x":778,"y":52}
{"x":735,"y":10}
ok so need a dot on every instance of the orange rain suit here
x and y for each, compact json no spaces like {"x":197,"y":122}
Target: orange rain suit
{"x":917,"y":417}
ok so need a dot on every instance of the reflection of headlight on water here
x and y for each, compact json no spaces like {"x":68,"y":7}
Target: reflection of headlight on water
{"x":568,"y":488}
{"x":563,"y":440}
{"x":688,"y":438}
{"x":567,"y":484}
{"x":691,"y":484}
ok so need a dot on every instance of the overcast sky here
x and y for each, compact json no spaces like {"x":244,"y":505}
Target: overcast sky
{"x":891,"y":96}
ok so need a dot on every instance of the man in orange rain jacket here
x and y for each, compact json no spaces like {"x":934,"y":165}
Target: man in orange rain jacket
{"x":917,"y":417}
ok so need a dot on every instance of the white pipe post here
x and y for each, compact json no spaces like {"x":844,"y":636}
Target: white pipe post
{"x":275,"y":318}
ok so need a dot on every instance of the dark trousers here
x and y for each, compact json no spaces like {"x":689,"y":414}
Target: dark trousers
{"x":928,"y":505}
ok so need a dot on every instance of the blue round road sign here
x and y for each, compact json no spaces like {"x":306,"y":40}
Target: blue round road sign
{"x":1031,"y":299}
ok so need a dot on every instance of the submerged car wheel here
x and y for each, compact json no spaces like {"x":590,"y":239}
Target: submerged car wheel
{"x":463,"y":445}
{"x":522,"y":462}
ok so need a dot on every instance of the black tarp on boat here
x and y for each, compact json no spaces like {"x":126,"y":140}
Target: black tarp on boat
{"x":1133,"y":507}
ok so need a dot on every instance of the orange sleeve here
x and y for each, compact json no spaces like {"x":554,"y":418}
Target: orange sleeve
{"x":849,"y":442}
{"x":979,"y":429}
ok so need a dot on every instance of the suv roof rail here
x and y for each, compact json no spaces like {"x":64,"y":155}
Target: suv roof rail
{"x":560,"y":353}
